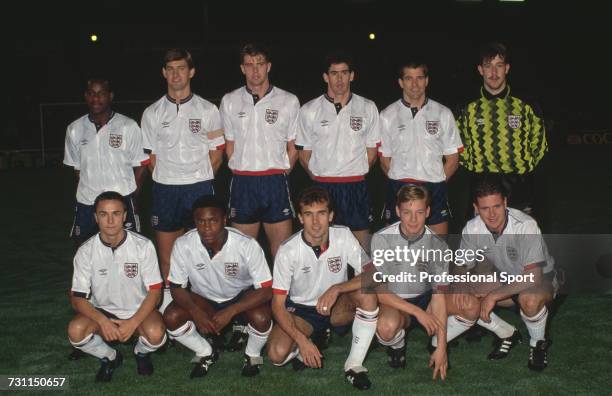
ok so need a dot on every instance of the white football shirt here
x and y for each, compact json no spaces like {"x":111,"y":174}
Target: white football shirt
{"x":416,"y":145}
{"x":104,"y":158}
{"x":239,"y":264}
{"x":298,"y":271}
{"x":519,"y":248}
{"x":338,"y":140}
{"x":181,"y":135}
{"x":260,"y":131}
{"x":117,"y":279}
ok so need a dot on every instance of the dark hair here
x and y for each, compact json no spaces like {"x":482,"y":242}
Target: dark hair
{"x":110,"y":196}
{"x":336,"y":57}
{"x":411,"y":192}
{"x":99,"y":80}
{"x":314,"y":195}
{"x":413,"y":64}
{"x":175,"y":54}
{"x":491,"y":50}
{"x":488,"y":184}
{"x":253,"y":49}
{"x":209,"y":201}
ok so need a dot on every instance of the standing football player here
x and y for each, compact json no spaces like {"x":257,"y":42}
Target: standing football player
{"x":116,"y":286}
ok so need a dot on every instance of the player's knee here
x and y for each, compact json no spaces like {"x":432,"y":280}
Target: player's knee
{"x":154,"y":333}
{"x":77,"y":330}
{"x":276,"y":353}
{"x":173,"y":319}
{"x":530,"y":304}
{"x":387,"y":329}
{"x":366,"y":301}
{"x":472,"y":310}
{"x":260,"y":320}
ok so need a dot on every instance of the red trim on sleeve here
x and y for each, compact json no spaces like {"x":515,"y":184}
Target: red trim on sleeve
{"x":378,"y":144}
{"x":156,"y":286}
{"x":339,"y":179}
{"x":145,"y":162}
{"x":379,"y":154}
{"x":368,"y":266}
{"x":266,"y":283}
{"x":530,"y":266}
{"x":220,"y":147}
{"x":279,"y":291}
{"x":460,"y":150}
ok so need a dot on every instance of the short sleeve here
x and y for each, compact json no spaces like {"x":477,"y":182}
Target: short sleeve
{"x":468,"y":243}
{"x":136,"y":149}
{"x":150,"y":269}
{"x":386,"y":148}
{"x":257,"y":264}
{"x":373,"y":132}
{"x":214,"y":129}
{"x":356,"y":256}
{"x":178,"y":264}
{"x":149,"y":131}
{"x":439,"y":266}
{"x":532,"y":250}
{"x":294,"y":112}
{"x":226,"y":118}
{"x":81,"y":276}
{"x":283,"y":272}
{"x":451,"y":138}
{"x":72,"y":154}
{"x":304,"y":129}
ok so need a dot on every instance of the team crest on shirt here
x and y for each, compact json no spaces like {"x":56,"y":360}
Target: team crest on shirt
{"x":512,"y":253}
{"x":514,"y":121}
{"x":334,"y":264}
{"x":130,"y":269}
{"x":356,"y":123}
{"x":231,"y":269}
{"x":432,"y":127}
{"x":195,"y":125}
{"x":271,"y":116}
{"x":115,"y":140}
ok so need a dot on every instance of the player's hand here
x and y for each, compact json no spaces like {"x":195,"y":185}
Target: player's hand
{"x":429,"y":322}
{"x":223,"y":317}
{"x":109,"y":330}
{"x":126,"y":328}
{"x":327,"y":301}
{"x":439,"y":362}
{"x":204,"y":323}
{"x":310,"y":353}
{"x":486,"y":306}
{"x":462,"y":301}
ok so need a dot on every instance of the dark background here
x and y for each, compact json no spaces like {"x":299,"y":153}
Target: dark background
{"x":560,"y":53}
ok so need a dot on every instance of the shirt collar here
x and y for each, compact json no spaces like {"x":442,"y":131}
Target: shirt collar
{"x":318,"y":250}
{"x":414,"y":109}
{"x":256,"y":97}
{"x":99,"y":126}
{"x":409,"y":239}
{"x":109,"y":245}
{"x":338,"y":106}
{"x":489,"y":96}
{"x":212,"y":253}
{"x":182,"y":101}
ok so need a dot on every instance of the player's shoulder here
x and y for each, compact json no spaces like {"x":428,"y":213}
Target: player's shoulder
{"x":155,"y":107}
{"x":522,"y":222}
{"x":187,"y":238}
{"x":474,"y":226}
{"x":78,"y":124}
{"x":233,"y":95}
{"x":391,"y":229}
{"x":238,"y":235}
{"x":291,"y":242}
{"x":363,"y":101}
{"x":341,"y":233}
{"x":139,"y":239}
{"x":314,"y":103}
{"x":88,"y":246}
{"x":124,"y":120}
{"x":525,"y":99}
{"x":439,"y":107}
{"x":435,"y":240}
{"x":203,"y":103}
{"x":277,"y":91}
{"x":391,"y":110}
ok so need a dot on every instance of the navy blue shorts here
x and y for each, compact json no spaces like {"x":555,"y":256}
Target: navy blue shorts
{"x":311,"y":316}
{"x":439,"y":212}
{"x":422,"y":302}
{"x":84,"y":225}
{"x":172,"y":204}
{"x":260,"y":198}
{"x":351,"y":204}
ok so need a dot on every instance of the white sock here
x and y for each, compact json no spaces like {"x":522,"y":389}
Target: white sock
{"x":290,"y":356}
{"x":189,"y":336}
{"x":166,"y":300}
{"x":536,"y":325}
{"x":500,"y":327}
{"x":364,"y":328}
{"x":256,"y":341}
{"x":94,"y":345}
{"x":397,"y":342}
{"x":143,"y":346}
{"x":455,"y":326}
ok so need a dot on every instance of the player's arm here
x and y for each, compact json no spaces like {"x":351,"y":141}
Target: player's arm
{"x":229,"y":149}
{"x":304,"y":156}
{"x":451,"y":163}
{"x":128,"y":327}
{"x":439,"y":359}
{"x":427,"y":320}
{"x":292,"y":153}
{"x":532,"y":277}
{"x":330,"y":296}
{"x":255,"y":298}
{"x":385,"y":164}
{"x":183,"y":299}
{"x":80,"y":304}
{"x":216,"y":159}
{"x":372,"y":155}
{"x":140,"y":174}
{"x":152,"y":160}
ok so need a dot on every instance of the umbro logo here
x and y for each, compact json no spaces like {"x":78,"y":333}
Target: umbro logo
{"x":84,"y":142}
{"x":200,"y":266}
{"x":401,"y":127}
{"x":480,"y":121}
{"x":103,"y":272}
{"x":242,"y":114}
{"x":324,"y":123}
{"x":165,"y":124}
{"x":286,"y":211}
{"x":306,"y":270}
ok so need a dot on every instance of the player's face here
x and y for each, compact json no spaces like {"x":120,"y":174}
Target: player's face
{"x":338,"y":79}
{"x":492,"y":210}
{"x":494,"y":72}
{"x":98,"y":98}
{"x":210,"y":223}
{"x":316,"y":218}
{"x":178,"y":74}
{"x":255,"y":69}
{"x":110,"y":216}
{"x":412,"y":216}
{"x":414,"y":84}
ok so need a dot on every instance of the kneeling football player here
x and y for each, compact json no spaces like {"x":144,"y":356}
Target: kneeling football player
{"x":116,"y":286}
{"x":411,"y":296}
{"x":229,"y":277}
{"x":312,"y":293}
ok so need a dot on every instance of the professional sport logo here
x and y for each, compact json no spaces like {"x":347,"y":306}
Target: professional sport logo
{"x":195,"y":125}
{"x":356,"y":123}
{"x":231,"y":269}
{"x":512,"y":253}
{"x":130,"y":269}
{"x":432,"y":127}
{"x":115,"y":140}
{"x":271,"y":116}
{"x":334,"y":264}
{"x":514,"y":121}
